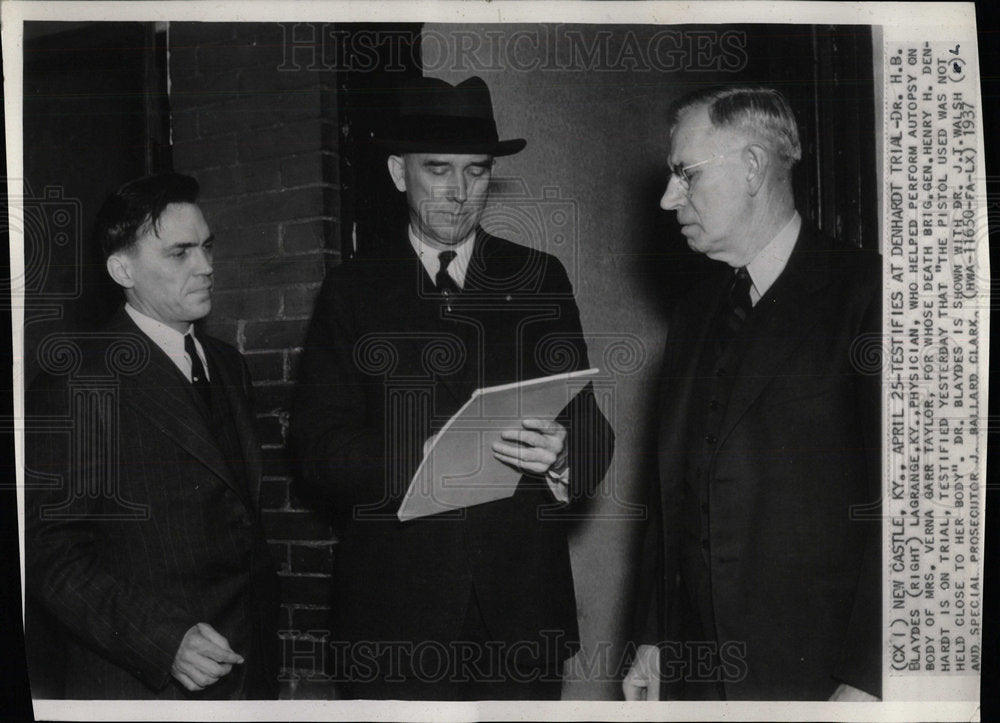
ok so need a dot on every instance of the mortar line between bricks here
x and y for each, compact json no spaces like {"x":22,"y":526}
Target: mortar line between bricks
{"x":327,"y":185}
{"x":304,"y":219}
{"x":260,"y":352}
{"x":269,"y":192}
{"x":271,"y":382}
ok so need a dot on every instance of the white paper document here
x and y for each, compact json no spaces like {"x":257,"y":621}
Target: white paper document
{"x":459,"y":470}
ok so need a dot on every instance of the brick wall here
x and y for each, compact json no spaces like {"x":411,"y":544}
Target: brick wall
{"x":263,"y":144}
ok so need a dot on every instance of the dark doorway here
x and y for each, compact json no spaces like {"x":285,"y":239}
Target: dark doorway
{"x":371,"y":208}
{"x":95,"y":115}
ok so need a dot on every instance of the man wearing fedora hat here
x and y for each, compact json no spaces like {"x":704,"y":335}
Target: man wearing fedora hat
{"x":477,"y":603}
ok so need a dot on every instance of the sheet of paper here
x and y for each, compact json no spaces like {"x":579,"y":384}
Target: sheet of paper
{"x":459,"y":470}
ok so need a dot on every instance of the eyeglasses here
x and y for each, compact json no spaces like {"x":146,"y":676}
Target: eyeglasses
{"x":682,"y":175}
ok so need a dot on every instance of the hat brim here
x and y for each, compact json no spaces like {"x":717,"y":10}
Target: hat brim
{"x":497,"y":148}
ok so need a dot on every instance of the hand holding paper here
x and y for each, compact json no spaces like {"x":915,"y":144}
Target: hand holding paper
{"x":481,"y":453}
{"x":535,"y":449}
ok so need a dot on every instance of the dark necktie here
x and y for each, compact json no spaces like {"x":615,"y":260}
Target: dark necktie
{"x":445,"y":284}
{"x":735,"y":309}
{"x":198,"y":376}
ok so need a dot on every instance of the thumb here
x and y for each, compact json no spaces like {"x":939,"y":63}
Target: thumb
{"x":225,"y":654}
{"x":631,"y":690}
{"x":653,"y":688}
{"x":634,"y":684}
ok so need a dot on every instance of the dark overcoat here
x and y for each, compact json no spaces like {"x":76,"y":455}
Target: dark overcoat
{"x":386,"y":363}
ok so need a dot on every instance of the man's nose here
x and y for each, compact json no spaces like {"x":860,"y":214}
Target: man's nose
{"x":458,"y":191}
{"x":675,"y":196}
{"x":204,"y":265}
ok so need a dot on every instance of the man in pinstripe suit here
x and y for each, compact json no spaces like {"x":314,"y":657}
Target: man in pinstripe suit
{"x":143,"y":536}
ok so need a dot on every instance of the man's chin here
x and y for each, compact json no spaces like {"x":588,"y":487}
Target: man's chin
{"x":197,"y":312}
{"x":694,"y":242}
{"x":451,"y":236}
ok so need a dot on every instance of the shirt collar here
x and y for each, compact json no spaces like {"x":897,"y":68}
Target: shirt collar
{"x":159,"y":332}
{"x":766,"y":266}
{"x":169,"y":340}
{"x":429,"y":256}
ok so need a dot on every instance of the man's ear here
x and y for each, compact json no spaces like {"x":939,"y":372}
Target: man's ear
{"x":397,"y":170}
{"x":120,"y":270}
{"x":758,"y":161}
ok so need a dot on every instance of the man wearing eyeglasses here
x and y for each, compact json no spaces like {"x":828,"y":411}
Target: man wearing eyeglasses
{"x":761,"y":564}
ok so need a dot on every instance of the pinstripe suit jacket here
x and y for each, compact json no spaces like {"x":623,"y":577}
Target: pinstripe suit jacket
{"x":137,"y":524}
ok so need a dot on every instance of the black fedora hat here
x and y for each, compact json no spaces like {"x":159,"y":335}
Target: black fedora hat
{"x":437,"y":117}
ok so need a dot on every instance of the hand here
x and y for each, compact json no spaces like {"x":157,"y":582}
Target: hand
{"x":642,"y":682}
{"x":849,"y":694}
{"x":203,"y":658}
{"x":535,"y":449}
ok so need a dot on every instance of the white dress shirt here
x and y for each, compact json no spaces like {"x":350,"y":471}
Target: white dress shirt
{"x":169,"y":340}
{"x":429,"y":257}
{"x":767,"y":265}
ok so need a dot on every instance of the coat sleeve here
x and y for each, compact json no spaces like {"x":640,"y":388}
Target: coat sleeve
{"x":589,"y":435}
{"x":591,"y":444}
{"x":67,"y":546}
{"x":340,"y":451}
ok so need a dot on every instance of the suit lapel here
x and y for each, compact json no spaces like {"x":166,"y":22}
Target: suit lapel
{"x":791,"y":308}
{"x":161,"y":394}
{"x":231,"y":380}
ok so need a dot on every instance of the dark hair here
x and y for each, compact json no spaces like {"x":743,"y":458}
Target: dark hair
{"x":763,"y":111}
{"x":135,"y":208}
